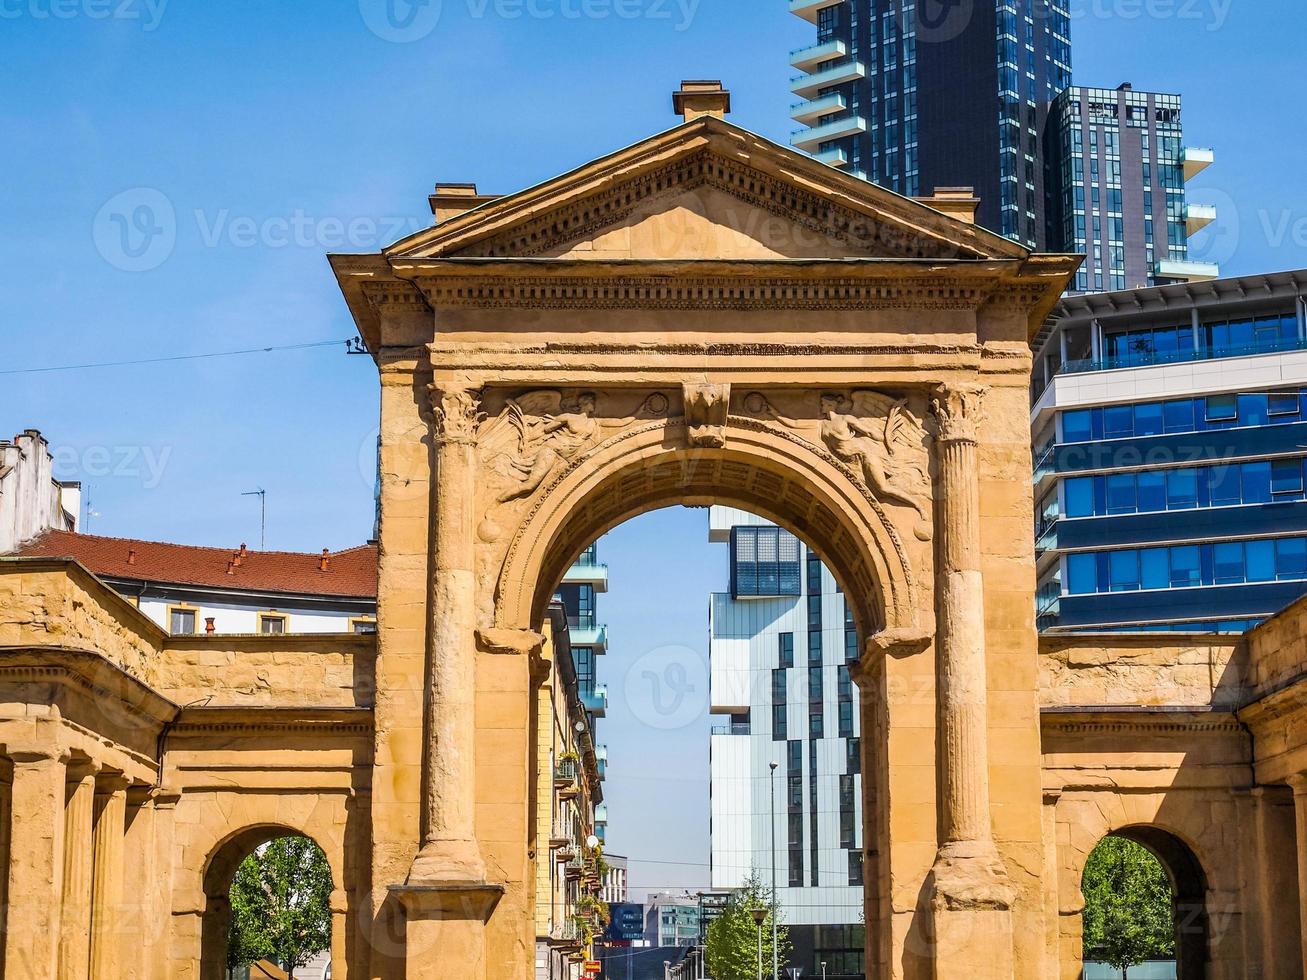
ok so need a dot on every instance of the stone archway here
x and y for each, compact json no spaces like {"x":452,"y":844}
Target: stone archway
{"x":1188,"y":894}
{"x":219,"y":872}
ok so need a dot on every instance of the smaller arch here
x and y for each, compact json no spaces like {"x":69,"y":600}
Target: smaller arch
{"x":1188,"y":883}
{"x":219,"y":873}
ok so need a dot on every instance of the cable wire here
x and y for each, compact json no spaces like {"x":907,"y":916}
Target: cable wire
{"x":177,"y":357}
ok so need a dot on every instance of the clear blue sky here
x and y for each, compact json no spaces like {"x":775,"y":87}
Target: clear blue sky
{"x":276,"y":131}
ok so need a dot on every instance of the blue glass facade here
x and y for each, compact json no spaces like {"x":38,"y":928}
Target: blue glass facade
{"x":1183,"y":512}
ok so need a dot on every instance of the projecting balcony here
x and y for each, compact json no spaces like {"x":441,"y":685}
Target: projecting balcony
{"x":1187,"y":271}
{"x":807,"y":86}
{"x":809,"y":139}
{"x":601,"y":813}
{"x":806,"y":59}
{"x":589,"y":636}
{"x":1196,"y":159}
{"x":596,"y":701}
{"x":810,"y":10}
{"x":806,"y":112}
{"x":1198,"y":216}
{"x":832,"y":158}
{"x":588,"y":572}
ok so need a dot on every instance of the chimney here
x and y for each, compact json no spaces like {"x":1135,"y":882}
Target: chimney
{"x":956,"y":202}
{"x":242,"y":551}
{"x":325,"y":561}
{"x":208,"y":625}
{"x":236,"y":558}
{"x":1125,"y":87}
{"x":451,"y":200}
{"x":702,"y":97}
{"x":231,"y":567}
{"x":131,"y":556}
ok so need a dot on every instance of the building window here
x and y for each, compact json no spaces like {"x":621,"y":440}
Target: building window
{"x":272,"y":623}
{"x":764,"y":562}
{"x":855,"y":867}
{"x":787,"y":649}
{"x":779,"y":723}
{"x":363,"y":624}
{"x":814,"y":647}
{"x":853,"y":756}
{"x":181,"y":621}
{"x":815,"y":723}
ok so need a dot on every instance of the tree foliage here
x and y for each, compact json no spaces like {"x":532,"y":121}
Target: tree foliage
{"x":1129,"y":915}
{"x":281,"y":905}
{"x":732,"y":942}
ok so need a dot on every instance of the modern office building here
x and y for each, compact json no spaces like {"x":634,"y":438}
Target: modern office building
{"x":914,"y":96}
{"x":779,"y":645}
{"x":1170,"y":431}
{"x":1120,"y":192}
{"x":671,"y":919}
{"x":584,"y":580}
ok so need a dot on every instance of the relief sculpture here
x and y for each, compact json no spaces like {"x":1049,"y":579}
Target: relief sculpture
{"x":536,"y":433}
{"x":880,"y":438}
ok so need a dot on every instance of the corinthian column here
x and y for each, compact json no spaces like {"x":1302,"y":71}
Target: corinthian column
{"x":450,"y":852}
{"x":969,"y":876}
{"x":107,"y":886}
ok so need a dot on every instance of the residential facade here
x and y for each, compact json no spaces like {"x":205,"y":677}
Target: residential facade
{"x":571,"y":878}
{"x":187,"y":589}
{"x":31,"y":499}
{"x":1170,"y":432}
{"x":1120,"y":198}
{"x":780,"y":643}
{"x":915,"y":96}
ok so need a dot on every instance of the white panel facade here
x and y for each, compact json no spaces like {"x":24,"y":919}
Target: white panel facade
{"x":746,"y":641}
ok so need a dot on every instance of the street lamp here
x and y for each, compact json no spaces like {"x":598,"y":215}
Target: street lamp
{"x":759,"y":917}
{"x":775,"y":891}
{"x":823,"y":970}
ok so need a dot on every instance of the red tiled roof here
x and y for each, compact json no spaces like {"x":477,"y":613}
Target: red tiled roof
{"x":352,"y":572}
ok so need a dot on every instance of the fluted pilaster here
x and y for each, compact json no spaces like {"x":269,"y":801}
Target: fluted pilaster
{"x":79,"y":851}
{"x":107,"y":887}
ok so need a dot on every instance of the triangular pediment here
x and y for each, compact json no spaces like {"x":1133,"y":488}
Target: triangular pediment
{"x":705,"y":190}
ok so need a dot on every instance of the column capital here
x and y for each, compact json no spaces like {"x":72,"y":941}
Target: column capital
{"x":1298,"y":783}
{"x":958,"y":410}
{"x":35,"y":753}
{"x":112,"y":782}
{"x":456,"y":412}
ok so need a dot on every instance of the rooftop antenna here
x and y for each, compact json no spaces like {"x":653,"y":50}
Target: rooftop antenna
{"x":263,"y":514}
{"x":90,"y":511}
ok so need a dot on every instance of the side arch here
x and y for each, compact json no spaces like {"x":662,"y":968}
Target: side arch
{"x":218,"y":874}
{"x":775,"y":475}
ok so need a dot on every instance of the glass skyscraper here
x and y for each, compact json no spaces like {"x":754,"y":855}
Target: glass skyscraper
{"x":1122,"y":199}
{"x":916,"y":95}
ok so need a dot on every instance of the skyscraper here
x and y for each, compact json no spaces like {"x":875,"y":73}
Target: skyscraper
{"x":780,"y":641}
{"x":919,"y":94}
{"x":1121,"y":197}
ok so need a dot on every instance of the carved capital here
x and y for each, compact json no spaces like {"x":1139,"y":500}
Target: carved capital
{"x":706,"y":408}
{"x":899,"y":643}
{"x":958,"y":411}
{"x":455,"y":413}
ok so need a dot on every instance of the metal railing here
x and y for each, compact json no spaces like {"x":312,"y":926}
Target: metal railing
{"x":1150,"y":358}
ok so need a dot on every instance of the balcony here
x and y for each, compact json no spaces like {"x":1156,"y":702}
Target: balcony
{"x":1187,"y":271}
{"x":832,"y":158}
{"x":807,"y":86}
{"x":601,"y":814}
{"x":601,"y":760}
{"x":1195,"y":160}
{"x":806,"y":112}
{"x":809,"y":139}
{"x":805,"y":59}
{"x":735,"y":728}
{"x":810,"y":10}
{"x":1151,"y":358}
{"x":589,"y":636}
{"x":1197,"y":217}
{"x":596,"y":701}
{"x":587,"y":571}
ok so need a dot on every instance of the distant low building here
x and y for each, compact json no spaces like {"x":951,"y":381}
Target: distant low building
{"x":671,"y":920}
{"x":31,"y":499}
{"x":188,"y":589}
{"x":615,"y":880}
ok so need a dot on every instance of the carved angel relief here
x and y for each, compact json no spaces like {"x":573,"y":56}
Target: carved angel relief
{"x":533,"y":435}
{"x":880,"y":437}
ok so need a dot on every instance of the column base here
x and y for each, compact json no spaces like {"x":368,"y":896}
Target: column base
{"x":445,"y":928}
{"x":971,"y":913}
{"x":445,"y":862}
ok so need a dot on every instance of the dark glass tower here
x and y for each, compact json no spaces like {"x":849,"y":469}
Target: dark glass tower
{"x":919,"y":94}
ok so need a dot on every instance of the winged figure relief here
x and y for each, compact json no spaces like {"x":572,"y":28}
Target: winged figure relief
{"x":882,"y":440}
{"x":534,"y":434}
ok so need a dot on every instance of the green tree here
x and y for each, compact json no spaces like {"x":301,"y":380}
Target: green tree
{"x":732,"y":942}
{"x":1129,"y":917}
{"x":281,"y":905}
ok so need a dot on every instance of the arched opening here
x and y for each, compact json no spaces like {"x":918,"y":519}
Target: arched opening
{"x":774,"y":684}
{"x":1145,"y":907}
{"x":267,"y":908}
